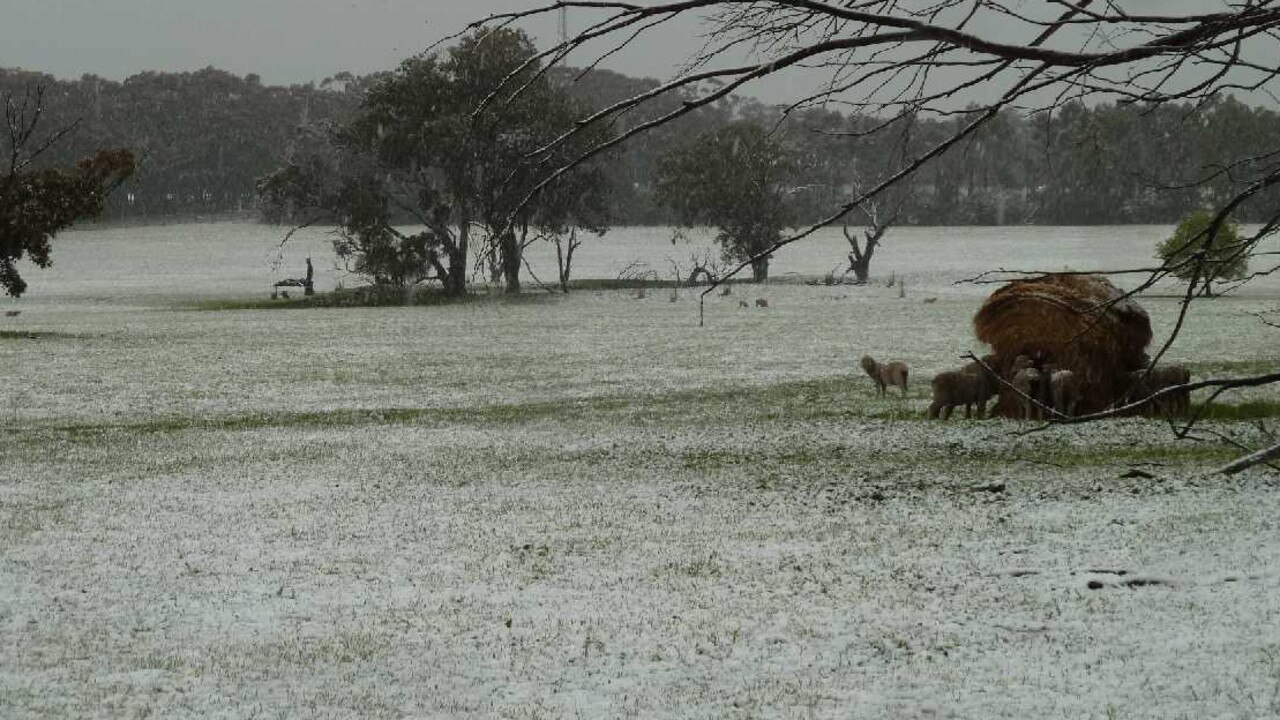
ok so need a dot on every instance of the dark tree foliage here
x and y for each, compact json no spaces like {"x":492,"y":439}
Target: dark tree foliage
{"x":36,"y":201}
{"x":365,"y":204}
{"x":201,"y":138}
{"x":738,"y":179}
{"x":417,"y":152}
{"x":422,"y":121}
{"x":205,"y":137}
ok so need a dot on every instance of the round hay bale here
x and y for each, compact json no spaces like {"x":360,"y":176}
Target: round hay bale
{"x":1081,"y":323}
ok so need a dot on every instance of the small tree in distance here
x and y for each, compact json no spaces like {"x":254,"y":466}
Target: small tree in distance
{"x":737,"y":179}
{"x":879,"y":219}
{"x":1225,"y":258}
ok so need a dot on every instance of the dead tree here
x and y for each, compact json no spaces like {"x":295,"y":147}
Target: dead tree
{"x":878,"y":223}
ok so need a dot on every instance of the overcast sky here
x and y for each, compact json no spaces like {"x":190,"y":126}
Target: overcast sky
{"x":293,"y":41}
{"x":284,"y":41}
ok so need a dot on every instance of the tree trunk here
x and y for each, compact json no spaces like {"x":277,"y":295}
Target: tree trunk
{"x":455,"y":280}
{"x":860,"y":256}
{"x":564,"y":258}
{"x":861,"y":267}
{"x":760,"y":270}
{"x":509,"y":252}
{"x":308,"y":286}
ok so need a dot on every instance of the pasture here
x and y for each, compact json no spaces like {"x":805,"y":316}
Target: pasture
{"x":586,"y":505}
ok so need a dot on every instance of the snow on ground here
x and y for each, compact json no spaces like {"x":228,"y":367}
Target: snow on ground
{"x":588,"y":506}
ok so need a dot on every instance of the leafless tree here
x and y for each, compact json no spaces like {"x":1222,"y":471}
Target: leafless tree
{"x":893,"y":59}
{"x":881,"y":214}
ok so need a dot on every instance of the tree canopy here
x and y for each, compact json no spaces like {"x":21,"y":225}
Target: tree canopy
{"x":203,"y":139}
{"x":419,"y":150}
{"x":739,"y":179}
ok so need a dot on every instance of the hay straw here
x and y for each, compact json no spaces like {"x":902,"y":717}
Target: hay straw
{"x":1081,"y":323}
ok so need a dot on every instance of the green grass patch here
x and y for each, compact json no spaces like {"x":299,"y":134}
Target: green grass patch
{"x":369,"y":296}
{"x":836,"y":397}
{"x":373,"y":297}
{"x":1251,"y":410}
{"x":636,"y":283}
{"x":1215,"y":368}
{"x":35,"y":335}
{"x":1180,"y":453}
{"x":355,"y":297}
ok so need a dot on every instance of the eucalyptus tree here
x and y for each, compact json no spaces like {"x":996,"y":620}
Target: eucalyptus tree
{"x":37,"y":201}
{"x":740,"y":180}
{"x":422,"y":122}
{"x":419,"y":152}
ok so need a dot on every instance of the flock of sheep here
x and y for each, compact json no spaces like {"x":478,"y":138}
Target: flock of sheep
{"x":1040,"y":388}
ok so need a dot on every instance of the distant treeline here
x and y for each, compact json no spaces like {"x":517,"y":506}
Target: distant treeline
{"x":204,"y":138}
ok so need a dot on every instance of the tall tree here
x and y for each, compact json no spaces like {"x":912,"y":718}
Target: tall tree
{"x":738,"y":179}
{"x":36,"y":202}
{"x":420,"y":151}
{"x":439,"y":123}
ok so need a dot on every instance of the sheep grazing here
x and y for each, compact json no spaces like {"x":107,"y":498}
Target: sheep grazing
{"x":1143,"y":385}
{"x":968,"y":387}
{"x":1171,"y":375}
{"x":1139,"y":388}
{"x":891,"y":373}
{"x":1082,"y":323}
{"x":1064,"y":386}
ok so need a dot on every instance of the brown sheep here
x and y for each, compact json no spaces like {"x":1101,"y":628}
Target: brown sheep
{"x":968,"y":387}
{"x":989,"y":382}
{"x":1139,"y":388}
{"x":891,"y":373}
{"x":1065,"y":389}
{"x":1145,"y":385}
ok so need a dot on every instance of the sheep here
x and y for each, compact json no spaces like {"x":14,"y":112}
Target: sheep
{"x":968,"y":386}
{"x":1047,"y":369}
{"x":1143,"y":385}
{"x":1139,"y":388}
{"x":1065,"y":389}
{"x":1027,"y":381}
{"x":1163,"y":376}
{"x":989,"y":382}
{"x":891,"y":373}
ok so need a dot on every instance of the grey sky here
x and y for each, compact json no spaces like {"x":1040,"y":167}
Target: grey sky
{"x":289,"y":41}
{"x":284,"y":41}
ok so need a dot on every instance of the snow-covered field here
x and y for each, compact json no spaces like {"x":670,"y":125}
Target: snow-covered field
{"x":589,"y":506}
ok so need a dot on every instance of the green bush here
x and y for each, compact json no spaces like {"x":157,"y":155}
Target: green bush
{"x":1227,"y":258}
